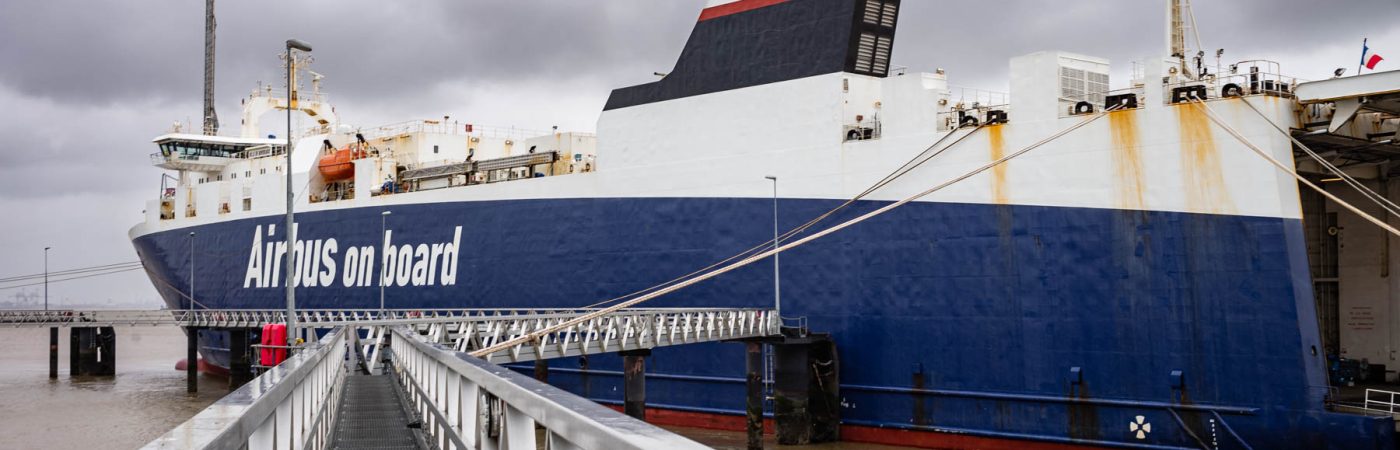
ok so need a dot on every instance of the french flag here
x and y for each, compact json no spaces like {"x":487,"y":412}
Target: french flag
{"x":1371,"y":61}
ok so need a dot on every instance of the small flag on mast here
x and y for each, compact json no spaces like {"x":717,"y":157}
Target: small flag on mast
{"x":1371,"y":61}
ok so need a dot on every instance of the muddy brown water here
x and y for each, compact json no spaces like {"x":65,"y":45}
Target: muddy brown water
{"x":144,"y":400}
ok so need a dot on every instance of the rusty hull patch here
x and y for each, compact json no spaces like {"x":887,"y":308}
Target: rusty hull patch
{"x":1127,"y":159}
{"x":1202,"y":177}
{"x":997,"y":144}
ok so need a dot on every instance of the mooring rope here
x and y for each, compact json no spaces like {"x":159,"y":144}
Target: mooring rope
{"x":534,"y":336}
{"x":913,"y":163}
{"x":1210,"y":113}
{"x":1385,"y":203}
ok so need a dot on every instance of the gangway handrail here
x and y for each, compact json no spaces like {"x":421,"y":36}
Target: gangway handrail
{"x":465,"y":400}
{"x":301,"y":395}
{"x":313,"y":318}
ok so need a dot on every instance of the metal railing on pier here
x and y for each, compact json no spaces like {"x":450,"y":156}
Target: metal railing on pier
{"x":466,"y":402}
{"x":293,"y":405}
{"x":314,"y":318}
{"x":463,"y":330}
{"x":456,"y":400}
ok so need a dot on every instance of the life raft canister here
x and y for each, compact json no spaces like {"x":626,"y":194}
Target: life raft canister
{"x":273,"y":334}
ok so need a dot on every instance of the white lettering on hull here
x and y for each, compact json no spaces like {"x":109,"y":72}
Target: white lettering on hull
{"x":315,"y":262}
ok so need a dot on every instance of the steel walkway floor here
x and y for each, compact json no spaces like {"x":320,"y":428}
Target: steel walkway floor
{"x":371,"y":415}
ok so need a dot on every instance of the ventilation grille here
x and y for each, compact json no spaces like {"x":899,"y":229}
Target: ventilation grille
{"x":875,"y":25}
{"x":880,"y":12}
{"x":1083,"y":85}
{"x":873,"y":54}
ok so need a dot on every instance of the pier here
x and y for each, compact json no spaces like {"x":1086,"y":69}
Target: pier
{"x":431,"y":378}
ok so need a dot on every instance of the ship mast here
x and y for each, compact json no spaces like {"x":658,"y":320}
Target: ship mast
{"x":211,"y":117}
{"x":1180,"y":16}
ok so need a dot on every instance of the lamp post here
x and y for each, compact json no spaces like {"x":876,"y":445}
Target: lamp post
{"x":191,"y":305}
{"x":46,"y":278}
{"x":383,"y":217}
{"x":53,"y":331}
{"x":292,"y":44}
{"x":777,"y":285}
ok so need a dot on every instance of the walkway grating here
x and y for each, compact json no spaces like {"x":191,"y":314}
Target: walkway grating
{"x":371,"y":415}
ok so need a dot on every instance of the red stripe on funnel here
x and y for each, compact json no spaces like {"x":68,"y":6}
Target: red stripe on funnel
{"x":735,"y":8}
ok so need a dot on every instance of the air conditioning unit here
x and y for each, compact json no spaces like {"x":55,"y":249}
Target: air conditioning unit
{"x":858,"y":133}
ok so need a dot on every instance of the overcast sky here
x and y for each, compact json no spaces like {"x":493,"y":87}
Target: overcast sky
{"x":85,"y":85}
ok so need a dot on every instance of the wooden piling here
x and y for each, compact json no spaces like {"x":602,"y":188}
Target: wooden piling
{"x":754,"y":410}
{"x":240,"y":362}
{"x":541,"y":371}
{"x":634,"y":380}
{"x":53,"y":352}
{"x":192,"y":360}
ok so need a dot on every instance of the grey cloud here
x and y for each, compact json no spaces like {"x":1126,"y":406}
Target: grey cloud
{"x":975,"y":39}
{"x":91,"y":52}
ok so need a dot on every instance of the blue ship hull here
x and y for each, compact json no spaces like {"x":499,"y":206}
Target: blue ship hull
{"x":991,"y":306}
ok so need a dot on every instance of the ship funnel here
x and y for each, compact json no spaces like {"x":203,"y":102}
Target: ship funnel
{"x":742,"y":43}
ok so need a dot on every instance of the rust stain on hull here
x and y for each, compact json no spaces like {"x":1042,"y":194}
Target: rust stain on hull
{"x":1202,"y":176}
{"x":998,"y":151}
{"x":1127,"y":159}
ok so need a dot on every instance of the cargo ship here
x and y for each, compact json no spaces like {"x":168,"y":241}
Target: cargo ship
{"x":1128,"y":272}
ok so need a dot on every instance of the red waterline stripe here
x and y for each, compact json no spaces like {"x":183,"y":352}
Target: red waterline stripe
{"x":735,"y":8}
{"x":930,"y":439}
{"x":853,"y":433}
{"x":708,"y":421}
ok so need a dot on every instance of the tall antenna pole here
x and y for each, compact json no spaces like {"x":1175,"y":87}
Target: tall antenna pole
{"x":1176,"y":29}
{"x":1176,"y":36}
{"x":211,"y":118}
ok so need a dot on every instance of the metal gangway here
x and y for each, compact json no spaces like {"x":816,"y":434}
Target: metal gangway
{"x":464,"y":330}
{"x":340,"y":390}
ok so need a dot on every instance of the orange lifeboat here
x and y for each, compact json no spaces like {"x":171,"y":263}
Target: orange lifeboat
{"x":338,"y":165}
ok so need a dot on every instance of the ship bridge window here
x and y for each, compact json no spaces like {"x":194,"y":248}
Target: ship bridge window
{"x":198,"y":149}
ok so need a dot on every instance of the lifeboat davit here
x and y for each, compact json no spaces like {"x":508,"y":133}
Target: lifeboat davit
{"x":339,"y":164}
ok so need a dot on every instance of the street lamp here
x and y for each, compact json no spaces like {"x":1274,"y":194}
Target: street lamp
{"x":191,"y":271}
{"x":292,"y":44}
{"x":777,"y":292}
{"x":383,"y":217}
{"x":46,"y":278}
{"x":53,"y":331}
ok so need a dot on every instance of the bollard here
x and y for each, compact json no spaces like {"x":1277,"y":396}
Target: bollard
{"x":634,"y":380}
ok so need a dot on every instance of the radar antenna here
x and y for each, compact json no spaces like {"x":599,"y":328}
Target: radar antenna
{"x":211,"y":117}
